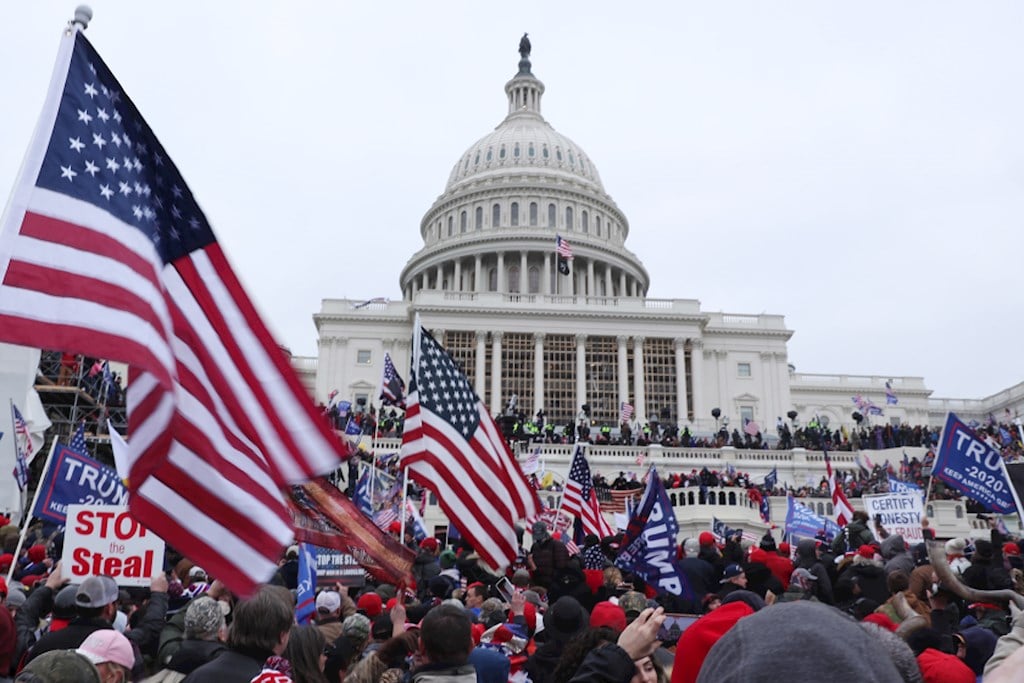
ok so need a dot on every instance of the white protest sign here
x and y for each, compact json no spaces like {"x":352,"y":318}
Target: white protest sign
{"x":900,"y":513}
{"x":106,"y":539}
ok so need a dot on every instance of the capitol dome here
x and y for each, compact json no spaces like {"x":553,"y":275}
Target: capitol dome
{"x":507,"y":199}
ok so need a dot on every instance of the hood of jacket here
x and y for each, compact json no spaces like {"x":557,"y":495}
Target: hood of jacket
{"x":893,"y":546}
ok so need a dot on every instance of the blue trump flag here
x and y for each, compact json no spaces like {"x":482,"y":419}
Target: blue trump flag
{"x":972,"y":467}
{"x":771,"y":479}
{"x":305,"y":595}
{"x":76,"y":478}
{"x":649,"y":547}
{"x":802,"y":522}
{"x":897,"y":486}
{"x":362,"y":494}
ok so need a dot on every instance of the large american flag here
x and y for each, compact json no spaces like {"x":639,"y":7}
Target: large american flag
{"x":625,"y":412}
{"x":840,"y":504}
{"x":452,"y":446}
{"x":580,"y":498}
{"x":105,"y":252}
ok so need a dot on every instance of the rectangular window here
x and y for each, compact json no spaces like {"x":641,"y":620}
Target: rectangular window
{"x":364,"y":357}
{"x":743,"y":369}
{"x":746,"y":414}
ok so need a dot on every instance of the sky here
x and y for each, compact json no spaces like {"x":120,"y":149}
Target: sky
{"x":855,"y":167}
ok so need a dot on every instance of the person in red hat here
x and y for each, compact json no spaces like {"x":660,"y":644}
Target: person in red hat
{"x":710,"y":554}
{"x":427,"y":565}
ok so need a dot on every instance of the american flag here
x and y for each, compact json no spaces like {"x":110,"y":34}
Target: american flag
{"x":890,"y":395}
{"x":625,"y":412}
{"x":106,"y":253}
{"x":452,"y":446}
{"x":77,"y":440}
{"x":392,"y":387}
{"x":562,"y":248}
{"x":619,"y":500}
{"x":385,"y":517}
{"x":580,"y":497}
{"x":840,"y":504}
{"x":20,"y":452}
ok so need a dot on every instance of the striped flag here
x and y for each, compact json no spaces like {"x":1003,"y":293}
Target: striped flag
{"x":619,"y":500}
{"x":22,"y":448}
{"x":392,"y":386}
{"x":625,"y":412}
{"x":452,"y":446}
{"x":562,"y":248}
{"x":840,"y":504}
{"x":105,"y":252}
{"x":580,"y":497}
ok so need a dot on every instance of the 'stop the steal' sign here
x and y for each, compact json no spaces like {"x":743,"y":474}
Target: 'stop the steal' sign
{"x":972,"y":467}
{"x":106,"y":539}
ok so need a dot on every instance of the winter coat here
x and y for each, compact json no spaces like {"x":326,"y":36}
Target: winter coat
{"x":549,"y":557}
{"x":807,"y":559}
{"x":424,"y":568}
{"x":450,"y":674}
{"x":862,"y":580}
{"x":608,"y":664}
{"x":854,"y":535}
{"x":231,"y":666}
{"x":190,"y":655}
{"x":896,"y":555}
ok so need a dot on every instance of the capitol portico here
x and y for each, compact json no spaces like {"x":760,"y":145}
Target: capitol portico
{"x":486,"y":283}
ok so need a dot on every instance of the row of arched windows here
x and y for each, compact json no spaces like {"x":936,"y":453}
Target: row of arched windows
{"x":532,"y":219}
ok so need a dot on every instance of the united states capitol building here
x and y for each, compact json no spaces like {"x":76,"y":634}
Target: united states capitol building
{"x":486,"y":283}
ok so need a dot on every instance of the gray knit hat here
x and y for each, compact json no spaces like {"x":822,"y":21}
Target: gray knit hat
{"x":203,"y":618}
{"x":62,"y":666}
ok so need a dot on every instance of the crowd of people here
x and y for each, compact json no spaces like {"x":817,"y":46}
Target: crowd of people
{"x":91,"y":375}
{"x":867,"y":606}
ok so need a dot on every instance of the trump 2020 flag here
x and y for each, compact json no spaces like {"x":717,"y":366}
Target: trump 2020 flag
{"x":104,"y":251}
{"x":649,"y":547}
{"x":305,"y":594}
{"x":973,"y":467}
{"x":74,"y":479}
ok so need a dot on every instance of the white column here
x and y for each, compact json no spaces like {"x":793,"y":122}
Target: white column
{"x":607,"y":280}
{"x":591,"y":289}
{"x":681,"y":403}
{"x":622,"y":284}
{"x":501,"y":272}
{"x":623,"y":371}
{"x":478,"y":274}
{"x":495,"y":373}
{"x":721,"y":365}
{"x":570,"y":280}
{"x":457,"y":284}
{"x":414,"y":286}
{"x":440,"y":276}
{"x":581,"y":371}
{"x":481,"y":364}
{"x":697,"y":377}
{"x":638,"y":380}
{"x":538,"y":371}
{"x":524,"y":279}
{"x":545,"y":276}
{"x":424,"y":280}
{"x":767,"y":393}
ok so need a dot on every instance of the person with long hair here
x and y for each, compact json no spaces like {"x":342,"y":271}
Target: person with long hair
{"x":305,"y":653}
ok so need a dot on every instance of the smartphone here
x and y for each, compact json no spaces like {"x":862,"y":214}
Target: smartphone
{"x":505,"y":589}
{"x":674,"y":625}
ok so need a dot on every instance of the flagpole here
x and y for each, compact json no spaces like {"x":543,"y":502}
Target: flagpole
{"x":14,"y":438}
{"x":405,"y":498}
{"x":28,"y":513}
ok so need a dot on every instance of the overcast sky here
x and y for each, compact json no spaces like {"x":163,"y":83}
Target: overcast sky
{"x":856,"y":167}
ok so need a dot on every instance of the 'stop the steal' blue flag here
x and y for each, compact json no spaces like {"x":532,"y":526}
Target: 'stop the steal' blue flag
{"x":305,"y":596}
{"x":972,"y":467}
{"x":649,"y":548}
{"x":76,"y":478}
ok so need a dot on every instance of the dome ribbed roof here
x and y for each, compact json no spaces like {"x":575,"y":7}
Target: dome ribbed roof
{"x":524,"y":143}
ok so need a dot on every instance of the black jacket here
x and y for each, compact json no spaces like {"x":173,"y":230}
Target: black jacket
{"x":193,"y":654}
{"x":608,"y":664}
{"x":230,"y":666}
